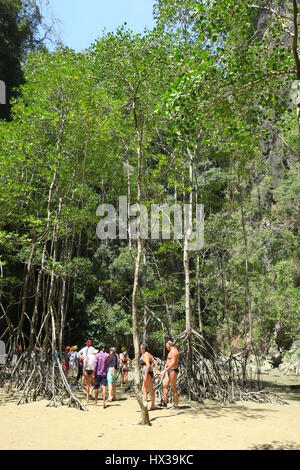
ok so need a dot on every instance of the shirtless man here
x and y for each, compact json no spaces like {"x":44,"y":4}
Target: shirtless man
{"x":171,"y":372}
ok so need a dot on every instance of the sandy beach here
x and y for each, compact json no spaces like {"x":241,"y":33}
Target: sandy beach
{"x":193,"y":426}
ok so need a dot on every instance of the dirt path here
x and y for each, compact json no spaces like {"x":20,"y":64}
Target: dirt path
{"x":207,"y":426}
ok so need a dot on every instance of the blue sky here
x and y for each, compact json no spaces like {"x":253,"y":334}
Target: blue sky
{"x":82,"y":21}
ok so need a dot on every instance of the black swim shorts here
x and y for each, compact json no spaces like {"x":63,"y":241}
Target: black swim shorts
{"x":100,"y":380}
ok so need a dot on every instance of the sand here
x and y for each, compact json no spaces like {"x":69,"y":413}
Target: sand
{"x":205,"y":426}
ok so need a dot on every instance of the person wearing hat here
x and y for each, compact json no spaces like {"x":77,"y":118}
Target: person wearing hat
{"x":112,"y":374}
{"x":73,"y":360}
{"x":100,"y":371}
{"x":88,"y":355}
{"x":80,"y":375}
{"x":67,"y":355}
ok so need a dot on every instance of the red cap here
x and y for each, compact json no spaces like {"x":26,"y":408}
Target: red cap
{"x":20,"y":348}
{"x":68,"y":348}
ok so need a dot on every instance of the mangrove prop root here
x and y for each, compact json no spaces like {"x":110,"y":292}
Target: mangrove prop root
{"x":35,"y":378}
{"x":205,"y":373}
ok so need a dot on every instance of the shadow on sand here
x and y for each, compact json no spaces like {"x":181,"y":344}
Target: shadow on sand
{"x":276,"y":445}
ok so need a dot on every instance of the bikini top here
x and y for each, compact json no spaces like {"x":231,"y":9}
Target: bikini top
{"x":143,"y":364}
{"x":124,"y":359}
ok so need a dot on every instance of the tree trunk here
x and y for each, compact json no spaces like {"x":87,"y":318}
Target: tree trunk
{"x":145,"y":286}
{"x":41,"y":271}
{"x":128,"y":201}
{"x":52,"y":280}
{"x":298,"y":104}
{"x":144,"y":411}
{"x":188,"y":228}
{"x":198,"y":285}
{"x":248,"y":295}
{"x":199,"y":295}
{"x":25,"y":291}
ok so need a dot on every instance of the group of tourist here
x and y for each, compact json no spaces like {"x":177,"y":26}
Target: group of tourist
{"x":102,"y":368}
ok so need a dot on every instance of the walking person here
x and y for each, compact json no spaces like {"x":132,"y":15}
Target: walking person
{"x":147,"y":362}
{"x":171,"y":373}
{"x":88,"y":355}
{"x":112,"y":374}
{"x":100,"y":371}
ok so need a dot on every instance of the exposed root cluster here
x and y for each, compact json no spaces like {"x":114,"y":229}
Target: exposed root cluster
{"x":36,"y":378}
{"x":205,"y":373}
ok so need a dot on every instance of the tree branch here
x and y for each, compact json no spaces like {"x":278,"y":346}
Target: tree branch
{"x":295,"y":39}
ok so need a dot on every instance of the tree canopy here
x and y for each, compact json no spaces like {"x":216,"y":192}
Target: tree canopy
{"x":202,"y":109}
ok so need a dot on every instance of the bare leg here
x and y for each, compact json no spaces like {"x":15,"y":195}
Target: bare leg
{"x":96,"y":395}
{"x":103,"y":395}
{"x":173,"y":380}
{"x":92,"y":384}
{"x":88,"y":384}
{"x":110,"y":388}
{"x":144,"y":392}
{"x":114,"y":391}
{"x":166,"y":387}
{"x":152,"y":394}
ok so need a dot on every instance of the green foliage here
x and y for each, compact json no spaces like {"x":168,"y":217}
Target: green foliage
{"x":212,"y":80}
{"x":107,"y":323}
{"x":19,"y":22}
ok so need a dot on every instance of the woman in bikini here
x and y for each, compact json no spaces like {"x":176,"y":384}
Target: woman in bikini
{"x":124,"y":364}
{"x":147,"y":362}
